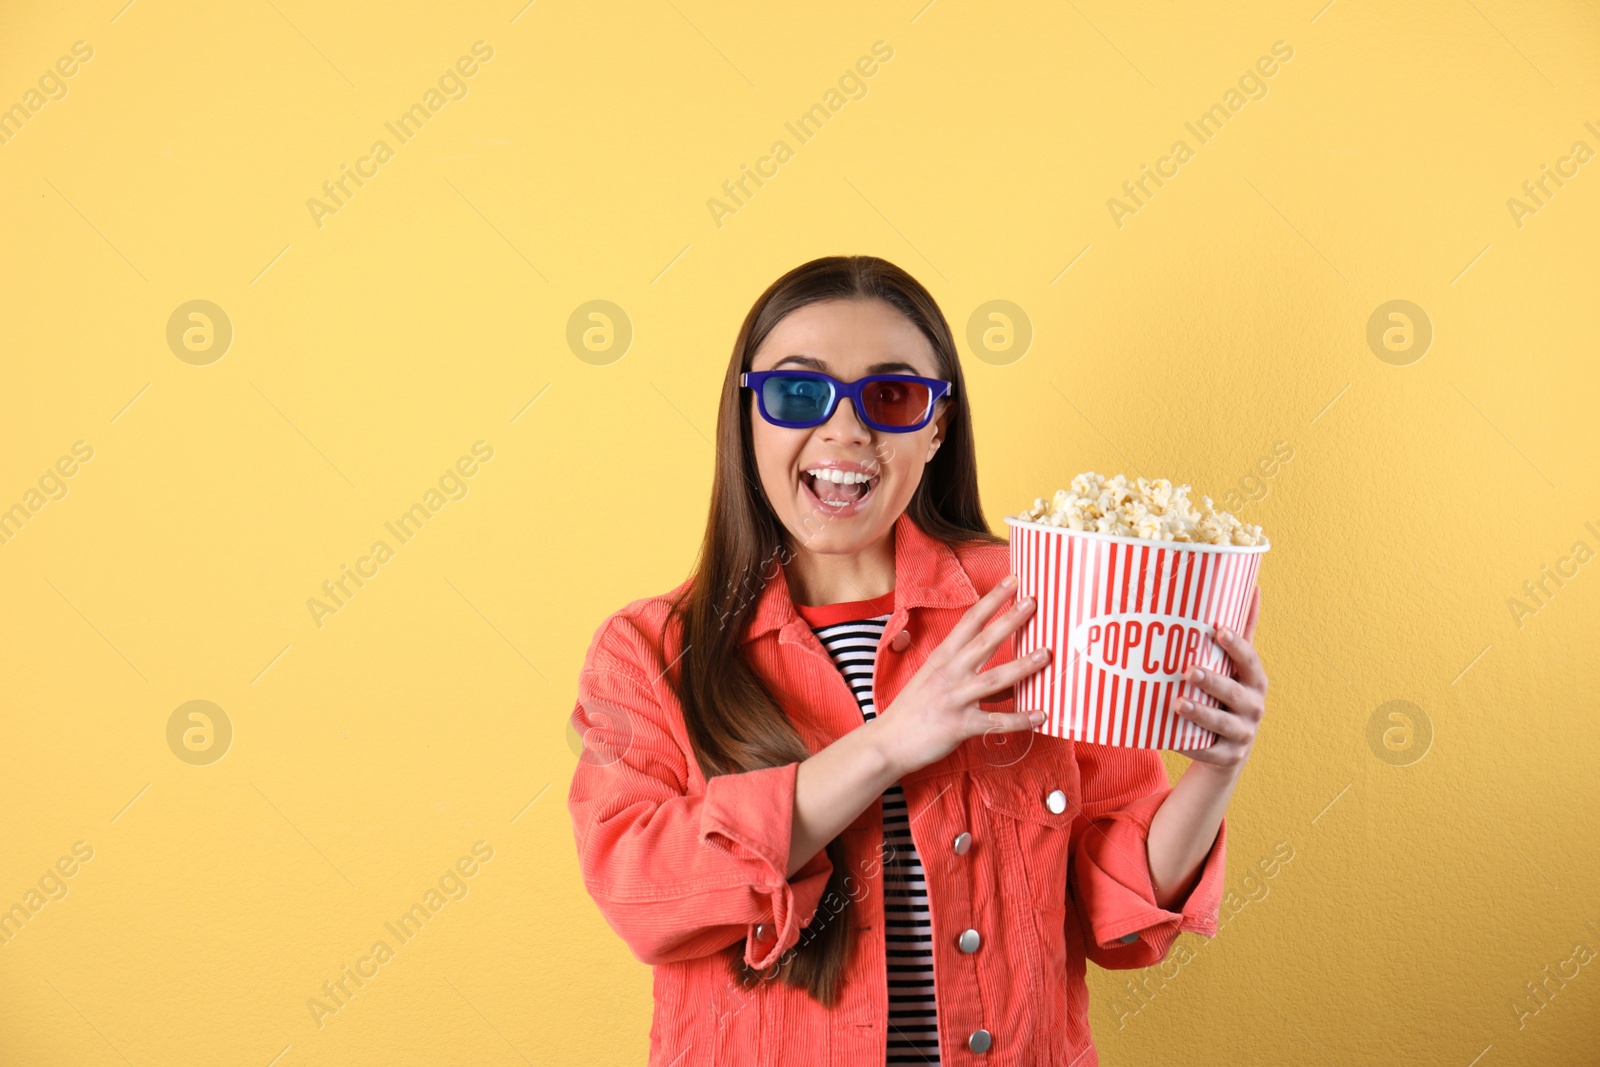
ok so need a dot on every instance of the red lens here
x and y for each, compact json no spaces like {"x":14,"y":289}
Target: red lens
{"x":895,"y":403}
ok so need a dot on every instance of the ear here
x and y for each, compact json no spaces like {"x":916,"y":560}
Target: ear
{"x":939,"y":422}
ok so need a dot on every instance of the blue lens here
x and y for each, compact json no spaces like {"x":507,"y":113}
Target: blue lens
{"x":796,"y":399}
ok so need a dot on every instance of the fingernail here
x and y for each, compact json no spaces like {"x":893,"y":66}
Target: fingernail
{"x":1223,"y":635}
{"x":1026,"y":602}
{"x":1009,"y":580}
{"x":1197,"y":675}
{"x":1041,"y":654}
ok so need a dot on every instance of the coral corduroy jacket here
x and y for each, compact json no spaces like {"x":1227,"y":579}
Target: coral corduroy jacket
{"x":682,"y":867}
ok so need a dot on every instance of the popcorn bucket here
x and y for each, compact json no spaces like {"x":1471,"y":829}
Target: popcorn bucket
{"x":1126,"y":617}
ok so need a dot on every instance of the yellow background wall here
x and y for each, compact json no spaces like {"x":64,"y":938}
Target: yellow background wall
{"x":1440,"y":860}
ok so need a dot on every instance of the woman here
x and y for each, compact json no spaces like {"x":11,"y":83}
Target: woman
{"x":813,"y":881}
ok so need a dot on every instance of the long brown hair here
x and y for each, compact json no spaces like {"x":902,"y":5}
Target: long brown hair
{"x":733,"y":723}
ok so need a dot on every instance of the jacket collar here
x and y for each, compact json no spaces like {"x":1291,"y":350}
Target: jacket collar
{"x":927,"y":574}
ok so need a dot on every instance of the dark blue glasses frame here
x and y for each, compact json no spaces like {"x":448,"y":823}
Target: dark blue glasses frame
{"x":783,"y":395}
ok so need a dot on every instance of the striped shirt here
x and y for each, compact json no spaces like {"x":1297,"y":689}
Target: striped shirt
{"x":850,"y":632}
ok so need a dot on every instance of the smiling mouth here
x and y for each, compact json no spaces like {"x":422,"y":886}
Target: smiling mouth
{"x":842,"y":497}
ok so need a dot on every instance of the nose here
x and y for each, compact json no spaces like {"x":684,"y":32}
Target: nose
{"x":845,"y":425}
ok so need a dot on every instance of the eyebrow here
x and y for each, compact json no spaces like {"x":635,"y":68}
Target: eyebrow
{"x":892,"y":367}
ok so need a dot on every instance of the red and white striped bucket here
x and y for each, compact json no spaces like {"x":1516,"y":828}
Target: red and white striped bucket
{"x":1126,"y":617}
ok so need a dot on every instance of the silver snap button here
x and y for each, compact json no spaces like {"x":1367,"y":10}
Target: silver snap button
{"x":969,"y":941}
{"x":763,"y":932}
{"x":979,"y":1041}
{"x":1056,"y":801}
{"x":963,"y":843}
{"x":1128,"y":939}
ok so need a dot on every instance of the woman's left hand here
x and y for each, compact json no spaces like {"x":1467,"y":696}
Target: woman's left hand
{"x":1243,"y":699}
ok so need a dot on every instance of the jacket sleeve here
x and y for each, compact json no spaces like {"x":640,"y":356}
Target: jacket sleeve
{"x":1112,"y":889}
{"x":678,"y":875}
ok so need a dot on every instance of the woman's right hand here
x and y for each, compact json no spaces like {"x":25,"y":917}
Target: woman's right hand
{"x":938,"y":708}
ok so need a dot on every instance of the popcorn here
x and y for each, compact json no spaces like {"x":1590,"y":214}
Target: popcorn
{"x":1154,"y":510}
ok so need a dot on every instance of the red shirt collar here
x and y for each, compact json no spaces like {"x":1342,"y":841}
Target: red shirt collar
{"x":846,"y":610}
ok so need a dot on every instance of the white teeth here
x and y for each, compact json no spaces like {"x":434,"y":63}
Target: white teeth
{"x":843,"y":477}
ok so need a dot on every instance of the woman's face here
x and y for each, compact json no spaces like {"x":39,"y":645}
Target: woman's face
{"x":847,"y":339}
